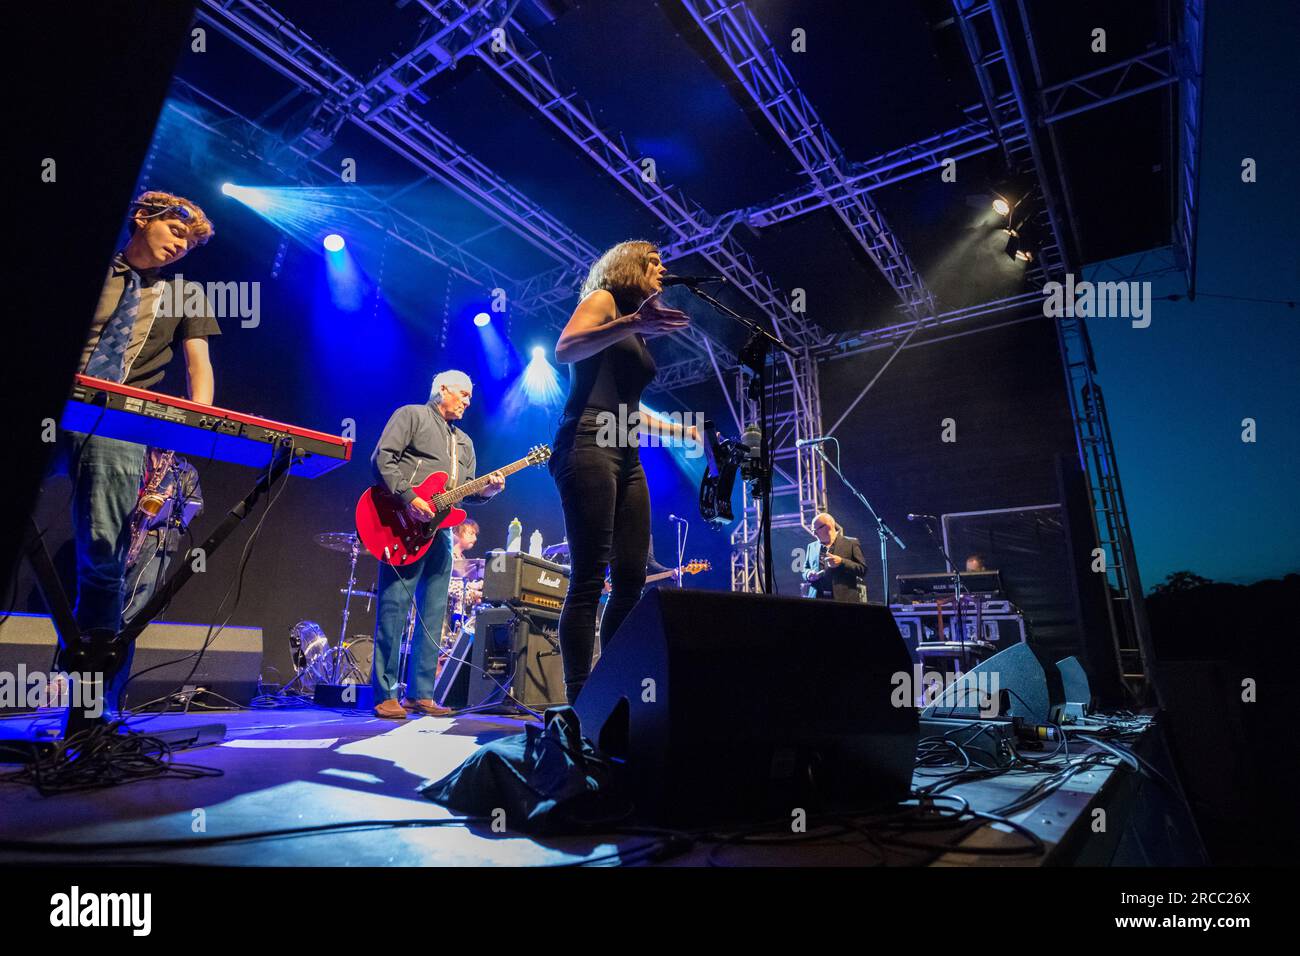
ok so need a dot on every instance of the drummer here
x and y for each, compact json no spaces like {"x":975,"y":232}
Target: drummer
{"x":463,"y":540}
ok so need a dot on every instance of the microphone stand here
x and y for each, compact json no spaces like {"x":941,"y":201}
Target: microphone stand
{"x":882,"y":530}
{"x":754,"y":356}
{"x":959,"y":620}
{"x":682,"y":529}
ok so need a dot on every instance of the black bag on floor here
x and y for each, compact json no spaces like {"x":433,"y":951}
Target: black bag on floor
{"x":548,"y":779}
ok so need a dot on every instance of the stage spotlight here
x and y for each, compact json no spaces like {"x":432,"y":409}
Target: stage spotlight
{"x":227,"y":189}
{"x":1001,"y":206}
{"x":482,"y":319}
{"x":538,"y":385}
{"x":1013,"y":244}
{"x":334,"y":242}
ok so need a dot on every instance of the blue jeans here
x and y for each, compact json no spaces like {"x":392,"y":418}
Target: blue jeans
{"x":105,"y":477}
{"x":427,"y":581}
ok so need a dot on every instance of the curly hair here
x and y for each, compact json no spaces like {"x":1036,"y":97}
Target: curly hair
{"x":154,"y":201}
{"x":621,"y":271}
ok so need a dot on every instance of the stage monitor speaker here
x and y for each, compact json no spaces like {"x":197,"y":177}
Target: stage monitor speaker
{"x":451,"y":689}
{"x":516,"y":649}
{"x":1014,"y":676}
{"x":1076,"y":692}
{"x":231,"y":666}
{"x":727,"y":707}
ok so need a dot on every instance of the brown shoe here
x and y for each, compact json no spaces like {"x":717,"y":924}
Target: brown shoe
{"x":390,"y":710}
{"x":427,"y":707}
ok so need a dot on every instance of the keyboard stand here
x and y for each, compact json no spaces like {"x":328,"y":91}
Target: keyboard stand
{"x":89,"y":654}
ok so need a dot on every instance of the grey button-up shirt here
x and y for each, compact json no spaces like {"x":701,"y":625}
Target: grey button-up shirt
{"x":415,"y":443}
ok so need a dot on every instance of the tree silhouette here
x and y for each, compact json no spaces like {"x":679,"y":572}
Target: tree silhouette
{"x":1180,"y":581}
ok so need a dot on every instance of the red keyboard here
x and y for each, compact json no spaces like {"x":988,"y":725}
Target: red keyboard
{"x":200,"y":431}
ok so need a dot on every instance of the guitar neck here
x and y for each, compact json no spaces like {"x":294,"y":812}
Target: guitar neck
{"x":663,"y":575}
{"x":473,"y":487}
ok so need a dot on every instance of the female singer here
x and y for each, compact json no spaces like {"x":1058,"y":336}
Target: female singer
{"x":597,"y":467}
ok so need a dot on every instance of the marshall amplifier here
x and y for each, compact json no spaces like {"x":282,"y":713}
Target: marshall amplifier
{"x":516,"y":650}
{"x":521,"y":579}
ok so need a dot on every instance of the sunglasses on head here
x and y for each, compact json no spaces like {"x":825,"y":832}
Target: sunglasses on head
{"x":179,"y":212}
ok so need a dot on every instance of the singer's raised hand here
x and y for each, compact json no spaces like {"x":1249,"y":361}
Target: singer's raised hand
{"x":655,"y":318}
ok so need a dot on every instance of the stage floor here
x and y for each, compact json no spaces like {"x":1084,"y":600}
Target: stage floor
{"x":301,"y":767}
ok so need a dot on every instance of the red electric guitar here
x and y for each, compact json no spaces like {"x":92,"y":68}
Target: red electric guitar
{"x":396,"y":535}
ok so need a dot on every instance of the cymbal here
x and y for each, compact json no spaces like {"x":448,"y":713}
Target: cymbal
{"x":469,"y":569}
{"x":343,"y":541}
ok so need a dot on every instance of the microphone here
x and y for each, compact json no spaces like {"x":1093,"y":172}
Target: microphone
{"x":922,"y":518}
{"x":802,"y":442}
{"x":677,"y":519}
{"x":691,"y":281}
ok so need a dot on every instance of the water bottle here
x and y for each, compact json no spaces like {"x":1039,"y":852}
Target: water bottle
{"x":513,"y":537}
{"x":535,"y":544}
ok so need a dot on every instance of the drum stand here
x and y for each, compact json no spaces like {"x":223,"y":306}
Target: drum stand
{"x":404,"y":655}
{"x":341,"y":651}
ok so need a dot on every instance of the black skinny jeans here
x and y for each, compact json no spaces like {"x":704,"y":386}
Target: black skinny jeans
{"x":607,"y":521}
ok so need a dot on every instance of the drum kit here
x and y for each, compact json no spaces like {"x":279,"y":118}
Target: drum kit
{"x":463,"y":600}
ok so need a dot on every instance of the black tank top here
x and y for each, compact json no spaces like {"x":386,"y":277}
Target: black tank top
{"x":616,"y":375}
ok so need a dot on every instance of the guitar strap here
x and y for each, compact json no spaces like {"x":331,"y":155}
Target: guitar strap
{"x":455,"y":454}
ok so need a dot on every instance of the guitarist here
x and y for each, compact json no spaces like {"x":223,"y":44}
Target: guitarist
{"x":652,"y":566}
{"x":418,"y":441}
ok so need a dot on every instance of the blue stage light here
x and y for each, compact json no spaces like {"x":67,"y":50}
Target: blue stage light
{"x":334,"y":242}
{"x":482,"y":319}
{"x":537,"y":386}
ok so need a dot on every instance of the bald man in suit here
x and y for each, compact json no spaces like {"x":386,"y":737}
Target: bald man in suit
{"x":834,"y":563}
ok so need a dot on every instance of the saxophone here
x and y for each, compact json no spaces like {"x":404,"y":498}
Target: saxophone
{"x":148,"y":506}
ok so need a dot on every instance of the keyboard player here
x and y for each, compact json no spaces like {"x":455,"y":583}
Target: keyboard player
{"x":131,"y":341}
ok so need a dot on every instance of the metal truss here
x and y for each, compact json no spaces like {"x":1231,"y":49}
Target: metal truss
{"x":799,"y":478}
{"x":468,"y":28}
{"x":1144,"y":265}
{"x":988,"y":44}
{"x":988,"y":36}
{"x":950,"y":324}
{"x":795,"y":408}
{"x":370,"y":208}
{"x":1140,"y":74}
{"x":977,"y":134}
{"x":257,"y":27}
{"x":461,"y":29}
{"x":1191,"y":66}
{"x":523,"y":67}
{"x":744,"y":46}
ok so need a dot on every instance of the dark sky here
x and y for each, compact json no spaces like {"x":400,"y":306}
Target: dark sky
{"x":1199,"y":497}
